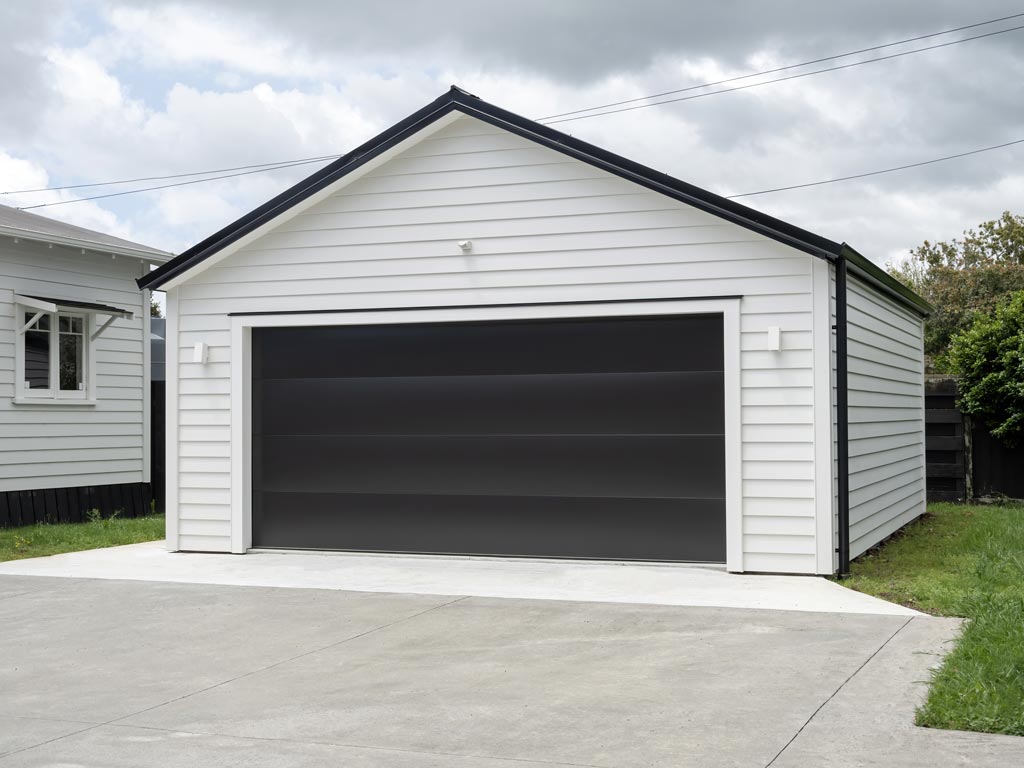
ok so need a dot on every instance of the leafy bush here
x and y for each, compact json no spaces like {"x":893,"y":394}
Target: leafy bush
{"x":964,"y":277}
{"x":989,"y":356}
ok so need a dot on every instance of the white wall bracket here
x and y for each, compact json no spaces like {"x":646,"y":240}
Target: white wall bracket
{"x":102,"y":328}
{"x":30,"y":323}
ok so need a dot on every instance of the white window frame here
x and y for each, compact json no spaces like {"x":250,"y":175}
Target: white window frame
{"x":241,"y":387}
{"x":53,"y":395}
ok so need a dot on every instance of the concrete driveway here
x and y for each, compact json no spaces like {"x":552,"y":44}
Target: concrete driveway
{"x":111,"y":673}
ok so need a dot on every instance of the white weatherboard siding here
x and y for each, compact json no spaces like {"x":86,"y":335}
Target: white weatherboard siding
{"x":886,"y":415}
{"x":545,"y":228}
{"x":55,"y":446}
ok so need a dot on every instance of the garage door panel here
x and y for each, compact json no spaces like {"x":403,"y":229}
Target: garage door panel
{"x":656,"y":403}
{"x":597,"y":437}
{"x":652,"y":529}
{"x":626,"y":345}
{"x":627,"y":466}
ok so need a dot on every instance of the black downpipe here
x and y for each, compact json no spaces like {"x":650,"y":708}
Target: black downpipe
{"x":842,"y":423}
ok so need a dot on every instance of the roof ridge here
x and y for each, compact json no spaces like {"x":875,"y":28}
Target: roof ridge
{"x":456,"y":98}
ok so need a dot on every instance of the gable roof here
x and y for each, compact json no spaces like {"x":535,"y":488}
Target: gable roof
{"x":456,"y":99}
{"x":30,"y":226}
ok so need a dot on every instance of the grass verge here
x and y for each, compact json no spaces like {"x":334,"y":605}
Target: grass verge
{"x":963,"y":560}
{"x":54,"y":538}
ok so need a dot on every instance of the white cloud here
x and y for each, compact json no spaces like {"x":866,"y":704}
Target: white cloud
{"x":175,"y":36}
{"x":196,"y":65}
{"x":20,"y":174}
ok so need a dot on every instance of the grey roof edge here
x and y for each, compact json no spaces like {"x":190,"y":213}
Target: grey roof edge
{"x":457,"y":99}
{"x":30,"y":226}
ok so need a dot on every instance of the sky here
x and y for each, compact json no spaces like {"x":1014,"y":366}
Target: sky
{"x":97,"y":90}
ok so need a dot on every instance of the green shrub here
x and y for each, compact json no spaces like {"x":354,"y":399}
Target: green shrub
{"x":989,"y":357}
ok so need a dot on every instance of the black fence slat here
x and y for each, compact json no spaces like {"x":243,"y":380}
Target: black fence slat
{"x":14,"y":503}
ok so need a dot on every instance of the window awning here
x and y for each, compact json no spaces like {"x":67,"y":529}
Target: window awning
{"x":46,"y":304}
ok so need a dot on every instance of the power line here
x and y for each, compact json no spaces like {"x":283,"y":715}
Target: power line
{"x":877,"y":173}
{"x":265,"y":166}
{"x":782,"y":79}
{"x":288,"y":163}
{"x":783,"y":69}
{"x":165,"y":186}
{"x":730,"y":197}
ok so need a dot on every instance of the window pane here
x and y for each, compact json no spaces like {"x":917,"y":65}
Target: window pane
{"x":42,"y":324}
{"x":64,"y":323}
{"x":76,"y":325}
{"x":37,"y":359}
{"x":70,"y":361}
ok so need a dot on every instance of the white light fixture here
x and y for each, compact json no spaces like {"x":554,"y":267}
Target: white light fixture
{"x":774,"y":338}
{"x":200,"y":353}
{"x":466,"y":245}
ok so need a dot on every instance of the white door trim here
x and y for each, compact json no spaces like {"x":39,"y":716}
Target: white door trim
{"x":241,"y":379}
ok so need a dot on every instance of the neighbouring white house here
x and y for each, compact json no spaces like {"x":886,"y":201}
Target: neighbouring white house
{"x":74,"y":371}
{"x":477,"y":335}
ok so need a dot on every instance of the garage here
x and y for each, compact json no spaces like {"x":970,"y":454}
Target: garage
{"x":477,"y":335}
{"x":570,"y":438}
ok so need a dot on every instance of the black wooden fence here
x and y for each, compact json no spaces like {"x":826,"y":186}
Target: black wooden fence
{"x":157,"y":446}
{"x":963,"y":460}
{"x":73,"y":505}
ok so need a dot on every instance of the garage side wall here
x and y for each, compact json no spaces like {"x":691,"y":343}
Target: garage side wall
{"x":544,"y":228}
{"x":886,"y":415}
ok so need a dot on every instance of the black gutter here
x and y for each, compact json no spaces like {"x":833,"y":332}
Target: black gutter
{"x":842,"y":423}
{"x":871,"y":273}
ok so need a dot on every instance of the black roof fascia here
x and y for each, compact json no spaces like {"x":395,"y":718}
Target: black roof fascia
{"x":456,"y":98}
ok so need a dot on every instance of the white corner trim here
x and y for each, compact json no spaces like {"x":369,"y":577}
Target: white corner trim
{"x":734,"y":560}
{"x":241,"y":391}
{"x":172,"y":427}
{"x":312,"y":200}
{"x":241,"y":437}
{"x":821,"y":342}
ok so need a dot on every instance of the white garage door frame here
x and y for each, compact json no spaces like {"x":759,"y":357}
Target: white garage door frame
{"x":241,"y":382}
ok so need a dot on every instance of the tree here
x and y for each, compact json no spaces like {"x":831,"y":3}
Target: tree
{"x":989,"y":357}
{"x":964,"y":277}
{"x":154,"y":307}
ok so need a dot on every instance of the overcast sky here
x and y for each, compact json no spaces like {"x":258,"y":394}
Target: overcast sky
{"x":97,"y":91}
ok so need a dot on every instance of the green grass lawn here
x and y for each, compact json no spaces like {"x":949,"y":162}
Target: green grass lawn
{"x":963,"y":560}
{"x":53,"y":538}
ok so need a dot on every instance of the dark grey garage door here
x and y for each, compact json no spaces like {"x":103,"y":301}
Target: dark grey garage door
{"x":592,"y":438}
